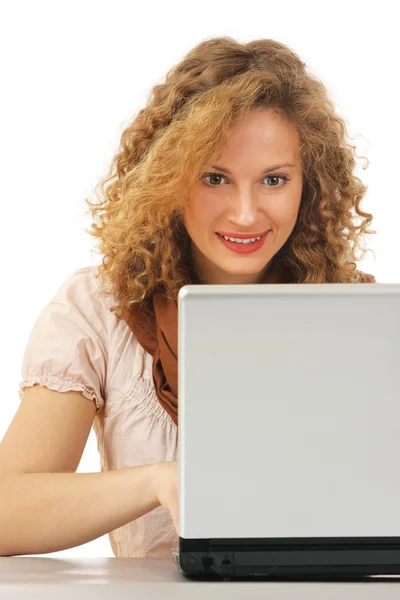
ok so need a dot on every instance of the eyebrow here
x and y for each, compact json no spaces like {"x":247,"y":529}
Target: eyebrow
{"x":268,"y":170}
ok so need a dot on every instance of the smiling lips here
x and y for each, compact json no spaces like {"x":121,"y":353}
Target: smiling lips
{"x":245,"y":247}
{"x":242,"y":236}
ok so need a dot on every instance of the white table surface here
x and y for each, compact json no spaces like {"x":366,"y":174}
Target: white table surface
{"x":157,"y":578}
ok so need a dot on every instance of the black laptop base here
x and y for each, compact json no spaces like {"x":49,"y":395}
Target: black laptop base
{"x":289,"y":558}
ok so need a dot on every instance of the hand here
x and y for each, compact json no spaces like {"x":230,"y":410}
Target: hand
{"x":165,"y":485}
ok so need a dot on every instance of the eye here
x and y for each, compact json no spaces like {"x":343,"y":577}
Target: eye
{"x":217,"y":176}
{"x":214,"y":175}
{"x":283,"y":177}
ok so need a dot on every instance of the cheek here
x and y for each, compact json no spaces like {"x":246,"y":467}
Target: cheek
{"x":201,"y":212}
{"x":285,"y":212}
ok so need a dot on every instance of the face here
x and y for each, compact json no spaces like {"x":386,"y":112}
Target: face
{"x":245,"y":193}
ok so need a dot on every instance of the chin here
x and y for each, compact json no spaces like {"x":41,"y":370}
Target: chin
{"x":252,"y":269}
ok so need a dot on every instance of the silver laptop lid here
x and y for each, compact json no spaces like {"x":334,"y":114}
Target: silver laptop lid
{"x":289,"y":410}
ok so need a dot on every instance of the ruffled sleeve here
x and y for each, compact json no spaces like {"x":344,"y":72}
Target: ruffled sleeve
{"x":67,"y":346}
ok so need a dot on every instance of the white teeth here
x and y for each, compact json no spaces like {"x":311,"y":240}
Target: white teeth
{"x":239,"y":241}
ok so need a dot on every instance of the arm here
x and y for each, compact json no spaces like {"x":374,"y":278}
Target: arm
{"x":48,"y":512}
{"x":45,"y":505}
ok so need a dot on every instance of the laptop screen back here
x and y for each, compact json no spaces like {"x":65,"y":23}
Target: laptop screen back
{"x":289,"y":410}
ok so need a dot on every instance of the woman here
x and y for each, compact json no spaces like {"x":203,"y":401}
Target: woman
{"x":237,"y":171}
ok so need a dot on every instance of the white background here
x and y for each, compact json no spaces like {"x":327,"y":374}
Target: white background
{"x":75,"y":73}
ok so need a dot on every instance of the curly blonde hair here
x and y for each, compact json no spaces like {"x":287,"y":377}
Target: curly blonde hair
{"x":168,"y":145}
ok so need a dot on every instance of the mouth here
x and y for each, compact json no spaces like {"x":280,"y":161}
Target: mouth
{"x":245,"y":244}
{"x":241,"y":236}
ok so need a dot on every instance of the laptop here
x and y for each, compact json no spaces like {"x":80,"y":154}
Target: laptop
{"x":289,"y":431}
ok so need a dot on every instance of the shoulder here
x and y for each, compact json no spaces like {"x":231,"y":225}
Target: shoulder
{"x":82,"y":296}
{"x":77,"y":308}
{"x":82,"y":285}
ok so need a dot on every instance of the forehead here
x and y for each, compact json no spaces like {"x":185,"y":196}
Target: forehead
{"x":263,"y":131}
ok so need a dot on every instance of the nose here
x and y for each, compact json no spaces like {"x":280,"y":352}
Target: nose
{"x":244,"y":207}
